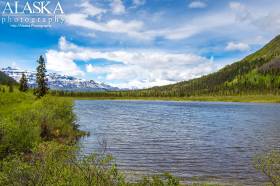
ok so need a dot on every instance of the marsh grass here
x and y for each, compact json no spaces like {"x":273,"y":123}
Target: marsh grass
{"x":248,"y":98}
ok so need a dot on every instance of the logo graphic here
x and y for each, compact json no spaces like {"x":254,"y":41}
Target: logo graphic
{"x":31,"y":13}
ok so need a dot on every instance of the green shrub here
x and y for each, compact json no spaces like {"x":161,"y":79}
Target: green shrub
{"x":20,"y":132}
{"x":24,"y":122}
{"x":162,"y":180}
{"x":56,"y":164}
{"x":57,"y":120}
{"x":51,"y":163}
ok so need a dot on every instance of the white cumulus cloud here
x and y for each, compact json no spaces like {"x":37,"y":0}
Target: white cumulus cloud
{"x":117,"y":7}
{"x":131,"y":28}
{"x":90,"y":9}
{"x":134,"y":68}
{"x":137,"y":29}
{"x":90,"y":68}
{"x":62,"y":63}
{"x":232,"y":46}
{"x":241,"y":11}
{"x":197,"y":4}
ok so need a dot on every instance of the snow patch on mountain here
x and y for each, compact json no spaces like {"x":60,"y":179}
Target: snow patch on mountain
{"x":59,"y":82}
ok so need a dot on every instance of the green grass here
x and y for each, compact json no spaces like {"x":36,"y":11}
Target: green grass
{"x":26,"y":122}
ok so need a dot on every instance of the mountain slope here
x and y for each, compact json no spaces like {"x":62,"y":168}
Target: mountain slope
{"x":5,"y":80}
{"x":257,"y":73}
{"x":59,"y":82}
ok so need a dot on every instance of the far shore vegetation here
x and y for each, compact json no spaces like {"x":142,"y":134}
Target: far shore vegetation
{"x":107,"y":96}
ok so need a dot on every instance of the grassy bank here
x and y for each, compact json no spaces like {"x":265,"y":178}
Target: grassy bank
{"x":26,"y":122}
{"x":249,"y":99}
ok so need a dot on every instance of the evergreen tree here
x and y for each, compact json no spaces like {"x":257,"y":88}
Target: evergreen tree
{"x":23,"y":87}
{"x":11,"y":88}
{"x":42,"y":86}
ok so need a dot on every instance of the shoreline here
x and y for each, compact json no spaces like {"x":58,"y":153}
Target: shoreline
{"x":233,"y":99}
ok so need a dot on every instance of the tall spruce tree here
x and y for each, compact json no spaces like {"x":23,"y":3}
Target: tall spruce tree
{"x":23,"y":87}
{"x":11,"y":88}
{"x":42,"y":85}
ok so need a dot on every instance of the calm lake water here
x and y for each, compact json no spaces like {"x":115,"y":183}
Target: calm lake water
{"x":206,"y":141}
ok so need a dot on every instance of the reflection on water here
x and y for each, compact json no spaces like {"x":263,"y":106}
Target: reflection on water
{"x":212,"y":141}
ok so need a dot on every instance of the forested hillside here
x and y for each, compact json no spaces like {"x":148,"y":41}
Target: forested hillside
{"x":4,"y":79}
{"x":257,"y":74}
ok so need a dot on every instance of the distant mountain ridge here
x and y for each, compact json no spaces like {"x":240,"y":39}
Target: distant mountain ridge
{"x":59,"y":82}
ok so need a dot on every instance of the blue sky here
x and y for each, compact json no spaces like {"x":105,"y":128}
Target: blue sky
{"x":143,"y":43}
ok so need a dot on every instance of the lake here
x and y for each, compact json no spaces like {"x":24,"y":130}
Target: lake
{"x":210,"y":141}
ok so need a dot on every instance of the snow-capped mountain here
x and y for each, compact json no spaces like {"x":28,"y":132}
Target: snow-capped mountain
{"x":59,"y":82}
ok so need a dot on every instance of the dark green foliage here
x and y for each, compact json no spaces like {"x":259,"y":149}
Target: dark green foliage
{"x":163,"y":180}
{"x":56,"y":164}
{"x":2,"y":89}
{"x":272,"y":67}
{"x":5,"y":80}
{"x":24,"y":122}
{"x":11,"y":87}
{"x":23,"y":87}
{"x":41,"y":80}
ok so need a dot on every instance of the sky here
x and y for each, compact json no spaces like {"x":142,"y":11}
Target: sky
{"x":142,"y":43}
